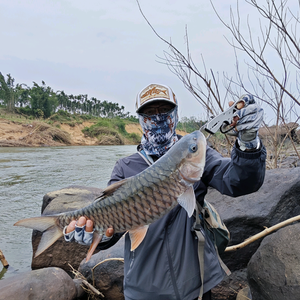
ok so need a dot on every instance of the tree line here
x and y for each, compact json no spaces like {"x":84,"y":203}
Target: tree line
{"x":42,"y":101}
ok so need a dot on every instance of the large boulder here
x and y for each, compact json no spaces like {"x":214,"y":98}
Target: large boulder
{"x":105,"y":270}
{"x":277,"y":200}
{"x":245,"y":216}
{"x":48,"y":283}
{"x":62,"y":254}
{"x":274,"y":270}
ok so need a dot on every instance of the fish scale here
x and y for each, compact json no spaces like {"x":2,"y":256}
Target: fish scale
{"x":150,"y":202}
{"x":134,"y":203}
{"x":154,"y":198}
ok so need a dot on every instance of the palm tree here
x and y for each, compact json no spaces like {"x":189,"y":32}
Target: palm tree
{"x":8,"y":91}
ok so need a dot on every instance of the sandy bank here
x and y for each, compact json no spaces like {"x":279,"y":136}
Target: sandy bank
{"x":37,"y":134}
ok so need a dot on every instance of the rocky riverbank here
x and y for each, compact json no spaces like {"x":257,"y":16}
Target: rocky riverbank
{"x":266,"y":269}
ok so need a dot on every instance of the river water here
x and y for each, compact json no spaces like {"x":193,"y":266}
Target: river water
{"x":27,"y":174}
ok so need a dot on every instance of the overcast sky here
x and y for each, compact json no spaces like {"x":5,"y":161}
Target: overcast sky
{"x":106,"y":49}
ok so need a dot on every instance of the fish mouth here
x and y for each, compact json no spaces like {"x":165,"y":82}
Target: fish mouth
{"x":189,"y":179}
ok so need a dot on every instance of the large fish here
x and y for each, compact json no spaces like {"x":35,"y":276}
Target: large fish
{"x":134,"y":203}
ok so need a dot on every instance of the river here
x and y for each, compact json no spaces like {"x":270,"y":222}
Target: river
{"x":27,"y":174}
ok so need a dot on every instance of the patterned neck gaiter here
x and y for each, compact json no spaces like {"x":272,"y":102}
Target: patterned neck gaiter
{"x":159,"y":132}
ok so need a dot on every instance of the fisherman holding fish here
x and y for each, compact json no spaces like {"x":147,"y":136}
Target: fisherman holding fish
{"x":151,"y":195}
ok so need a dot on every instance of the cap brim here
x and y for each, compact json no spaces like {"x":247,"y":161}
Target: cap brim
{"x":155,"y":100}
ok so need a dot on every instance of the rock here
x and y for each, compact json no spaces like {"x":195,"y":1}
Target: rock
{"x":274,"y":270}
{"x":229,"y":288}
{"x":290,"y":161}
{"x":244,"y":294}
{"x":107,"y":276}
{"x":48,"y":283}
{"x":69,"y":198}
{"x":61,"y":253}
{"x":79,"y":287}
{"x":277,"y":200}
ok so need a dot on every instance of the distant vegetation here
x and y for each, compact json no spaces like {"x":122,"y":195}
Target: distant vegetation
{"x":113,"y":127}
{"x":40,"y":101}
{"x":189,"y":124}
{"x":55,"y":108}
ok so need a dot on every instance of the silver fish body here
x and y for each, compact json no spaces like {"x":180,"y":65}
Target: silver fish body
{"x":134,"y":203}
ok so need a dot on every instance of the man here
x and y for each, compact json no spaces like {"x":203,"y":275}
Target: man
{"x":165,"y":265}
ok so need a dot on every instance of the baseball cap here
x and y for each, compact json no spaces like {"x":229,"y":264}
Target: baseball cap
{"x":154,"y":92}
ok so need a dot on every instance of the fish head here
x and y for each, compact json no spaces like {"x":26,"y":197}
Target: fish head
{"x":193,"y":153}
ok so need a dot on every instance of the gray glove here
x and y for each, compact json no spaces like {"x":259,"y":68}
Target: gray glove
{"x":80,"y":236}
{"x":250,"y":120}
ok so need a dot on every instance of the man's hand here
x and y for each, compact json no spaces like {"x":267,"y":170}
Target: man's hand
{"x":249,"y":120}
{"x":82,"y":231}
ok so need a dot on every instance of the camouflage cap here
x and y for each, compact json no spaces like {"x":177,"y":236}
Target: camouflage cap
{"x":154,"y":92}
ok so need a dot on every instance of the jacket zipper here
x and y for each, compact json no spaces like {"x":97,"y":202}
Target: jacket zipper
{"x":171,"y":267}
{"x":131,"y":261}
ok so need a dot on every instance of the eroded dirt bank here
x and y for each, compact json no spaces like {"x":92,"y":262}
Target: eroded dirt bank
{"x":37,"y":134}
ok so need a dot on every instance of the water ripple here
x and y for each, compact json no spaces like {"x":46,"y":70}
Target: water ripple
{"x":27,"y":174}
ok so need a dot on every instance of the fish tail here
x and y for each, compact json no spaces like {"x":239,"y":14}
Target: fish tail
{"x":47,"y":224}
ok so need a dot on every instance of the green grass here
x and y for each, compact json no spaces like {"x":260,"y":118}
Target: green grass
{"x":114,"y":127}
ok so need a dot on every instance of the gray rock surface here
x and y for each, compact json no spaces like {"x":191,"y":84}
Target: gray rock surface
{"x":277,"y":200}
{"x":105,"y":270}
{"x":48,"y":283}
{"x":274,"y":270}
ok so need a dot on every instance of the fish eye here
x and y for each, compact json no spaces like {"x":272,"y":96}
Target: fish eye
{"x":194,"y":147}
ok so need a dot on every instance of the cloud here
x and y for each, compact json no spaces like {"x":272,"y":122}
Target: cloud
{"x":105,"y":48}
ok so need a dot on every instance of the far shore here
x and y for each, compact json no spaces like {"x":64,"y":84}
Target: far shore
{"x":39,"y":134}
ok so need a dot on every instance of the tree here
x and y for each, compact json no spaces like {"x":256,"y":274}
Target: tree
{"x":8,"y":91}
{"x":23,"y":98}
{"x":43,"y":99}
{"x":272,"y":61}
{"x":62,"y":99}
{"x":276,"y":88}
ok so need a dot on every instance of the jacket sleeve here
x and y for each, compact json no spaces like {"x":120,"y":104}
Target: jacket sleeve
{"x":117,"y":173}
{"x":242,"y":174}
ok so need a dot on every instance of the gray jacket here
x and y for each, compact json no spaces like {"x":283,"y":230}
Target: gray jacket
{"x":165,"y":265}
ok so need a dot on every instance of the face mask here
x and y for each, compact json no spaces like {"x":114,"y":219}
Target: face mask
{"x":159,"y":132}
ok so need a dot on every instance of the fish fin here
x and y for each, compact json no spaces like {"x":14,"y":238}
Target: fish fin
{"x":188,"y":201}
{"x":49,"y":237}
{"x":37,"y":223}
{"x":111,"y":188}
{"x":96,"y":240}
{"x":46,"y":224}
{"x":137,"y":236}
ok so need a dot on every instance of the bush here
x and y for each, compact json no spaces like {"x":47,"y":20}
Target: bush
{"x":110,"y":127}
{"x":86,"y":117}
{"x":39,"y":113}
{"x":135,"y":138}
{"x":133,"y":119}
{"x":189,"y":124}
{"x":61,"y":116}
{"x":25,"y":111}
{"x":63,"y":113}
